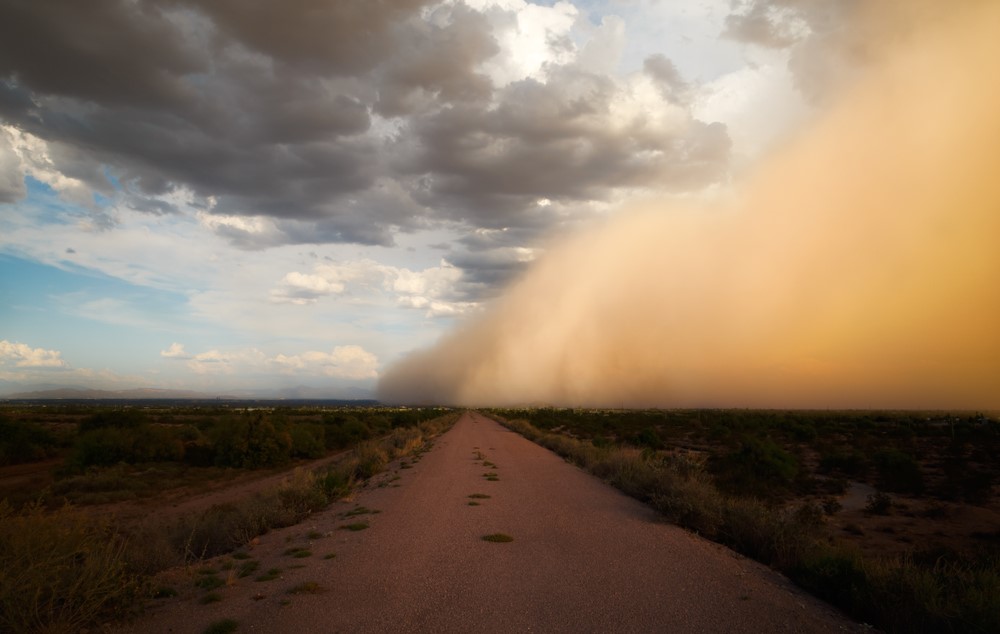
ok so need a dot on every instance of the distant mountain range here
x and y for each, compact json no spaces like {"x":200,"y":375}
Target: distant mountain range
{"x":150,"y":393}
{"x":86,"y":393}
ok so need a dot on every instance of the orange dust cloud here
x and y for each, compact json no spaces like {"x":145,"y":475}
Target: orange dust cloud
{"x":859,"y":267}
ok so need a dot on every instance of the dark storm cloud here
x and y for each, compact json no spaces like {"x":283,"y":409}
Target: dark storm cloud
{"x":484,"y":272}
{"x":559,"y":140}
{"x":12,"y":186}
{"x":343,"y":121}
{"x":252,"y":103}
{"x":667,"y":76}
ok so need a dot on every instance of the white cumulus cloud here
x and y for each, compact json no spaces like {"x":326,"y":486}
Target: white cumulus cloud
{"x":24,"y":356}
{"x":175,"y":351}
{"x":344,"y":362}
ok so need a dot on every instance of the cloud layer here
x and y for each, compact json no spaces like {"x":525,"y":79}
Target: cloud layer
{"x":857,"y":268}
{"x":339,"y":122}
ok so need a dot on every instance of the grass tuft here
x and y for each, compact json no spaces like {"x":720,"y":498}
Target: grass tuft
{"x":356,"y":526}
{"x":270,"y":575}
{"x":225,"y":626}
{"x":498,"y":538}
{"x":307,"y":587}
{"x":211,"y":597}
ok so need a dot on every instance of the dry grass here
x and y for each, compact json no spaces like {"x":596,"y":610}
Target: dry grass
{"x":899,"y":594}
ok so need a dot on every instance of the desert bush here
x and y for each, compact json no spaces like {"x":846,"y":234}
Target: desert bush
{"x":302,"y":494}
{"x":130,"y":444}
{"x":62,"y":571}
{"x":308,"y":441}
{"x":25,"y":442}
{"x":759,"y":467}
{"x":250,"y":442}
{"x":899,"y":471}
{"x":343,"y":430}
{"x":402,"y":441}
{"x":126,"y":418}
{"x":691,"y":502}
{"x":849,"y":462}
{"x":371,"y":459}
{"x":930,"y":593}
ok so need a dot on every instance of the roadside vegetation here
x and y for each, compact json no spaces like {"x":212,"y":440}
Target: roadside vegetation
{"x":67,"y":567}
{"x":769,"y":485}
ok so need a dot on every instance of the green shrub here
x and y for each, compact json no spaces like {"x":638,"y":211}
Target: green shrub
{"x":899,"y":471}
{"x":759,"y":467}
{"x":849,"y":462}
{"x":141,"y":443}
{"x":371,"y":458}
{"x":250,"y":442}
{"x":126,"y":418}
{"x":22,"y":442}
{"x":308,"y":441}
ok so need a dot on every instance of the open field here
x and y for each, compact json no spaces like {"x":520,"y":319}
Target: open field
{"x":545,"y":548}
{"x":894,"y":516}
{"x":116,"y":495}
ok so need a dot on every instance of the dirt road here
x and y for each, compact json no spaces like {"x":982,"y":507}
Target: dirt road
{"x":584,"y":558}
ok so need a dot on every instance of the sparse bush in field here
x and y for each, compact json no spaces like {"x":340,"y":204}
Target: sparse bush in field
{"x":878,"y":503}
{"x":250,"y":442}
{"x":759,"y":467}
{"x":932,"y":593}
{"x":339,"y":479}
{"x":302,"y":494}
{"x":61,"y":571}
{"x":308,"y":441}
{"x":649,"y":437}
{"x":225,"y":626}
{"x":25,"y":442}
{"x":130,"y":444}
{"x":691,"y":502}
{"x":126,"y":418}
{"x":371,"y":459}
{"x":343,"y":429}
{"x":899,"y":471}
{"x":402,"y":442}
{"x":849,"y":462}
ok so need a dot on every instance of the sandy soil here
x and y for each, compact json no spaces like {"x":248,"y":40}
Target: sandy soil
{"x":584,"y":558}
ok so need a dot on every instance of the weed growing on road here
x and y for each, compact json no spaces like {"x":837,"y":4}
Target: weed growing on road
{"x":329,"y":555}
{"x":270,"y":575}
{"x":473,"y":503}
{"x":356,"y":526}
{"x":498,"y":538}
{"x":306,"y":587}
{"x":314,"y":535}
{"x":298,"y":553}
{"x":247,"y":568}
{"x":480,"y":496}
{"x":489,"y":465}
{"x":211,"y":597}
{"x":225,"y":626}
{"x":361,"y":510}
{"x":209,"y":582}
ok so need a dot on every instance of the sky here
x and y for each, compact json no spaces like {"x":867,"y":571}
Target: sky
{"x":245,"y":197}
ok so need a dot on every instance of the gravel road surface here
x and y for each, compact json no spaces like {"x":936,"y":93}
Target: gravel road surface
{"x":584,"y":558}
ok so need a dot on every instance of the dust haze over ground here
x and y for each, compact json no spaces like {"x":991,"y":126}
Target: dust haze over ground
{"x":857,"y":267}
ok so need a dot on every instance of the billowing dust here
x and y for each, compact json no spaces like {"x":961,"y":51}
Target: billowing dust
{"x":857,"y":267}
